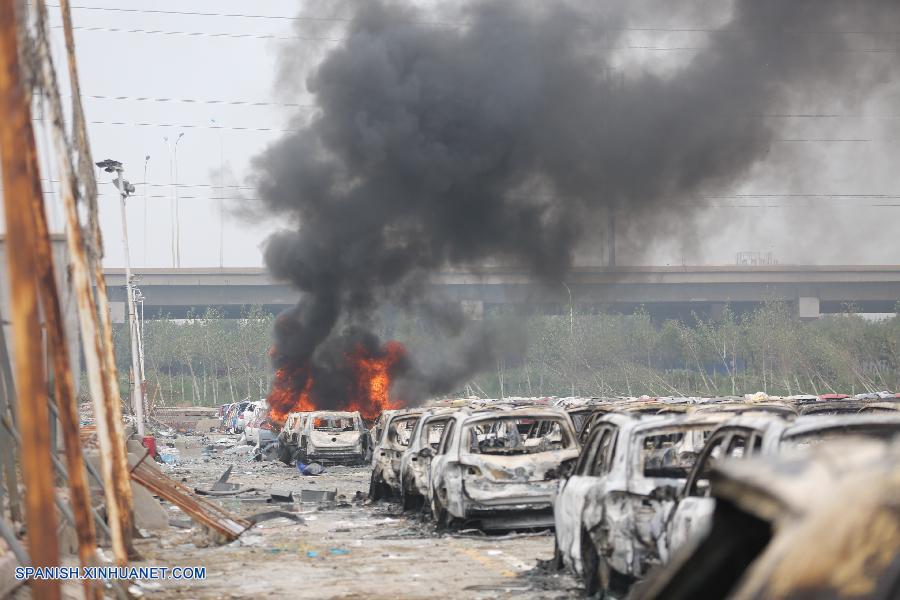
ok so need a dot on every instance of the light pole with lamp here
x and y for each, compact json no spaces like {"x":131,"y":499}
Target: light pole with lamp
{"x":137,"y":396}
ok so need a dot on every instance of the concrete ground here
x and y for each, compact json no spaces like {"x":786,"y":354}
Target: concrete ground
{"x":346,"y":549}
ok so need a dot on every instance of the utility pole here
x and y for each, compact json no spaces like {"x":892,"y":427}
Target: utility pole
{"x":19,"y":196}
{"x":177,"y":206}
{"x":146,"y":209}
{"x":137,"y":396}
{"x":174,"y":205}
{"x":221,"y":195}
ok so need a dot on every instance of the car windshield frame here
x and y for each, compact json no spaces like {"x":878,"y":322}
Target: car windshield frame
{"x":523,"y":443}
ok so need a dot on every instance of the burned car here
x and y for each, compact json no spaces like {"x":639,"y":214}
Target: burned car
{"x":415,"y":463}
{"x":498,"y":468}
{"x":817,"y":524}
{"x":395,"y":435}
{"x":332,"y":437}
{"x":609,"y":513}
{"x":746,"y":436}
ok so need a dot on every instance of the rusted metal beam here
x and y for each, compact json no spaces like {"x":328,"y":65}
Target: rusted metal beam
{"x":8,"y":451}
{"x":204,"y":512}
{"x":113,"y":408}
{"x":101,"y":375}
{"x":64,"y":385}
{"x":37,"y":467}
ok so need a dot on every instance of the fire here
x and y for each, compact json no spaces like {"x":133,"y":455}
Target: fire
{"x":373,"y":380}
{"x":283,"y":399}
{"x":368,"y":388}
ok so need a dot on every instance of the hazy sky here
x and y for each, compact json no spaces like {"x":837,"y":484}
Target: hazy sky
{"x":827,"y":193}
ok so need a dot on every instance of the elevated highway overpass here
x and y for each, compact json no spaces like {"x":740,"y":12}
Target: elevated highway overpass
{"x":662,"y":291}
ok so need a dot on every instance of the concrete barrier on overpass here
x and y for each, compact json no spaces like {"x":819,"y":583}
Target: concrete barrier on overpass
{"x":662,"y":291}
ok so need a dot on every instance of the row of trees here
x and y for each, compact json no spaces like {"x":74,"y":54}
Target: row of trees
{"x":208,"y":359}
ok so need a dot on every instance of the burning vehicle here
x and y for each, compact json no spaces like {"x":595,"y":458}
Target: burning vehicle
{"x":334,"y":437}
{"x":396,"y":434}
{"x":817,"y":524}
{"x":609,"y":513}
{"x":498,"y":468}
{"x":415,"y":463}
{"x":747,"y":436}
{"x":258,"y":429}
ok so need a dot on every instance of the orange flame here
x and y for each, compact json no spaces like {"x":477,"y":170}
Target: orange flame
{"x":283,"y":399}
{"x":368,"y":393}
{"x":373,"y":380}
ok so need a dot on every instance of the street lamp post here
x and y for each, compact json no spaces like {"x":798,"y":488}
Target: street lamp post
{"x":137,"y":396}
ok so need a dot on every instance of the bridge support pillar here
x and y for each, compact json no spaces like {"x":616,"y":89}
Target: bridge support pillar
{"x":808,"y":307}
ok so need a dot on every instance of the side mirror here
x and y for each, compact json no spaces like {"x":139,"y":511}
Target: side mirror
{"x":426,"y":452}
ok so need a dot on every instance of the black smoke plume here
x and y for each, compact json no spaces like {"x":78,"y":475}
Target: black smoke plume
{"x":500,"y":130}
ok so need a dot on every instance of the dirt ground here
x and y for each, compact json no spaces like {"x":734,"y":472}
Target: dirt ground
{"x":345,"y":549}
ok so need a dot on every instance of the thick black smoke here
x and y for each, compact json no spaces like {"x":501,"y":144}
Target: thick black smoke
{"x":502,"y":131}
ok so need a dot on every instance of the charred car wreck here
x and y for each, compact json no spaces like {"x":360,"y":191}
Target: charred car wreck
{"x":328,"y":437}
{"x":498,"y":468}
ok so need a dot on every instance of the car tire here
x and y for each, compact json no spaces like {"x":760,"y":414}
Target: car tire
{"x":374,"y":489}
{"x":591,"y":568}
{"x":556,"y":563}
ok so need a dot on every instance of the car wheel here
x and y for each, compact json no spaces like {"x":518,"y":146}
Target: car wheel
{"x":556,"y":563}
{"x":374,"y":488}
{"x":591,"y":568}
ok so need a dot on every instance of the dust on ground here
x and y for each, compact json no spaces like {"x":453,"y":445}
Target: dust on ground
{"x":344,"y":549}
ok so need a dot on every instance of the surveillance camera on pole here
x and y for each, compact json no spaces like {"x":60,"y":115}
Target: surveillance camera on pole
{"x":137,"y":385}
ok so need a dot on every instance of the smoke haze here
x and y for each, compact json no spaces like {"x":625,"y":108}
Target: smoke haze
{"x":507,"y":131}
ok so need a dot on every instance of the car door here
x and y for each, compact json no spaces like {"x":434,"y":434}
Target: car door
{"x":439,"y":461}
{"x":569,"y":504}
{"x":693,"y":514}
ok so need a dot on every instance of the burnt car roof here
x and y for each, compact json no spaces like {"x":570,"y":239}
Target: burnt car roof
{"x":812,"y":423}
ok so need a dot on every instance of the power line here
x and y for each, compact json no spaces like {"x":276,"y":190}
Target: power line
{"x":466,"y":24}
{"x":197,"y":101}
{"x":275,"y":129}
{"x":314,"y":106}
{"x":251,"y":36}
{"x":187,"y":126}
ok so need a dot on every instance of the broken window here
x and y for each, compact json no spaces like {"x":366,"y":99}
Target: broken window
{"x":432,"y":433}
{"x":334,"y":424}
{"x":445,"y":438}
{"x":671,"y":452}
{"x":603,"y":457}
{"x":504,"y":435}
{"x":401,"y":429}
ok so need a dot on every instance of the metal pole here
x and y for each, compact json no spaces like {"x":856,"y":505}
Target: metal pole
{"x":171,"y":200}
{"x":64,"y":390}
{"x":93,"y":310}
{"x":177,"y":206}
{"x":221,"y":196}
{"x":18,"y":167}
{"x":146,"y":209}
{"x":137,"y":398}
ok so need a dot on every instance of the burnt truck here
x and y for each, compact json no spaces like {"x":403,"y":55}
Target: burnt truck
{"x":328,"y":437}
